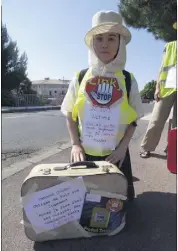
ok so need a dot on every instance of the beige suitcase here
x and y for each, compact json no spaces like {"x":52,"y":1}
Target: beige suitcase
{"x":64,"y":201}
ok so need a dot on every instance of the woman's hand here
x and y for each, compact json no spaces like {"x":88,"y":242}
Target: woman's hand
{"x":157,"y":95}
{"x":117,"y":155}
{"x":77,"y":153}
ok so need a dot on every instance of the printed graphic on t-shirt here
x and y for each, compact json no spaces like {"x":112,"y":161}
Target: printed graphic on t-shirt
{"x":103,"y":91}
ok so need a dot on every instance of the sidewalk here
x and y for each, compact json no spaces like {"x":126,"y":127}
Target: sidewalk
{"x":151,"y":224}
{"x":29,"y":108}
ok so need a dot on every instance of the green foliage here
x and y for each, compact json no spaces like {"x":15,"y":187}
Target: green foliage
{"x":7,"y":98}
{"x":156,"y":16}
{"x":25,"y":87}
{"x":149,"y":90}
{"x":13,"y":69}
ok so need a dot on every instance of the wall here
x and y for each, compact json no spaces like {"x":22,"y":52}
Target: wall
{"x":53,"y":89}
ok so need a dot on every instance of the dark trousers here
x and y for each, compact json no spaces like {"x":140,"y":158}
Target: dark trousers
{"x":125,"y":168}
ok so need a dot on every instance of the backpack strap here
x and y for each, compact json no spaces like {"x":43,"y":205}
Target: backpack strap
{"x":128,"y":88}
{"x":126,"y":74}
{"x":81,"y":75}
{"x":127,"y":82}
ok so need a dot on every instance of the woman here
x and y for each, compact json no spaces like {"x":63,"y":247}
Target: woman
{"x":99,"y":108}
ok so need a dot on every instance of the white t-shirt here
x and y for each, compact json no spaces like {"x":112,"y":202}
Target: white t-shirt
{"x":71,"y":95}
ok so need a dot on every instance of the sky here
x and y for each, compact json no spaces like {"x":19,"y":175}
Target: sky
{"x":52,"y":32}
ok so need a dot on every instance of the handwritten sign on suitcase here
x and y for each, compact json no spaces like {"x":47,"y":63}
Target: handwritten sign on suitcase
{"x":53,"y":207}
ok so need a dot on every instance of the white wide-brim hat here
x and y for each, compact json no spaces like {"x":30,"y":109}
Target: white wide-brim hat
{"x":107,"y":21}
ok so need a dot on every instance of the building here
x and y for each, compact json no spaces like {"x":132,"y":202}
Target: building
{"x":50,"y":87}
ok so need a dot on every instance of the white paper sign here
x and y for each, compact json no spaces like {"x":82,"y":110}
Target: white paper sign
{"x":171,"y":78}
{"x":93,"y":197}
{"x":100,"y":127}
{"x":55,"y":206}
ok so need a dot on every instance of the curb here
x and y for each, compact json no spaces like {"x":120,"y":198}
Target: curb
{"x":29,"y":109}
{"x":21,"y":165}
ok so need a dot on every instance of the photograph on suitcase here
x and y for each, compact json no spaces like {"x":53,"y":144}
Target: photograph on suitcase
{"x":73,"y":202}
{"x":103,"y":216}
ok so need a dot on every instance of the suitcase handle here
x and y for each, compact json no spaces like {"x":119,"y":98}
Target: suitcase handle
{"x":88,"y":164}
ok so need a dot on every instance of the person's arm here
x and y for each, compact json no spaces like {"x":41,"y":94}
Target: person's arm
{"x":119,"y":153}
{"x":157,"y":89}
{"x":73,"y":129}
{"x":136,"y":103}
{"x":158,"y":83}
{"x":127,"y":136}
{"x":135,"y":99}
{"x":77,"y":152}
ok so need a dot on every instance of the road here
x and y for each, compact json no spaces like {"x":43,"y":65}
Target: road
{"x":24,"y":134}
{"x":151,"y":221}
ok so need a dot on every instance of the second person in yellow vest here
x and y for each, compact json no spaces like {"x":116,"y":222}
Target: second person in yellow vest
{"x":165,"y":100}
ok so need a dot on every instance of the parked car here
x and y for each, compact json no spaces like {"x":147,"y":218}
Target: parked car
{"x":146,"y":100}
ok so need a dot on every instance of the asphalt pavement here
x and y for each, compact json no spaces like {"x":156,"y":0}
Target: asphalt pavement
{"x":23,"y":131}
{"x":151,"y":222}
{"x":26,"y":134}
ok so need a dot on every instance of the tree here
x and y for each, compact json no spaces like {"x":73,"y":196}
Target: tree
{"x":13,"y":69}
{"x":156,"y":16}
{"x":26,"y":87}
{"x":13,"y":66}
{"x":149,"y":90}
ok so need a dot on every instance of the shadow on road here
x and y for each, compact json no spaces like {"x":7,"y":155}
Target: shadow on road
{"x":151,"y":226}
{"x":158,"y":156}
{"x":135,"y":179}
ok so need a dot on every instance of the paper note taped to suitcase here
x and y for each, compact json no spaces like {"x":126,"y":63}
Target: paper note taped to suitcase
{"x":53,"y":207}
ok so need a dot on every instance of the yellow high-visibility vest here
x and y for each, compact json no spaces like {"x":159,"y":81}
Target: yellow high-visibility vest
{"x":169,"y":61}
{"x":95,"y":138}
